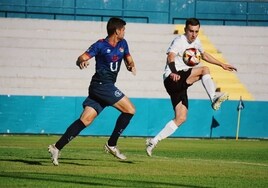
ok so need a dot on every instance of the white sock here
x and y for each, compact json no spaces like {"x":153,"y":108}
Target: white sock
{"x":209,"y":86}
{"x":168,"y":130}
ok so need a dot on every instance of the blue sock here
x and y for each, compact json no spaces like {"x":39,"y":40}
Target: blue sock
{"x":72,"y":131}
{"x":121,"y":123}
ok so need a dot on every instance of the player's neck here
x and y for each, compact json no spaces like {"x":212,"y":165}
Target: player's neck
{"x":113,"y":40}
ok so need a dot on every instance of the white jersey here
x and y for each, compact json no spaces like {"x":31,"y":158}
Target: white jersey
{"x":178,"y":46}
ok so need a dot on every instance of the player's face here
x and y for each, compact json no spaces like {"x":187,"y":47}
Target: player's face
{"x":191,"y":32}
{"x":121,"y":33}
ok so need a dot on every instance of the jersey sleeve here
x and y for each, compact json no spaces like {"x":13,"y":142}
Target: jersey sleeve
{"x":126,"y":49}
{"x":174,"y":46}
{"x":93,"y":49}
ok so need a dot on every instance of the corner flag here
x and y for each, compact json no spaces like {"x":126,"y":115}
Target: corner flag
{"x":241,"y":105}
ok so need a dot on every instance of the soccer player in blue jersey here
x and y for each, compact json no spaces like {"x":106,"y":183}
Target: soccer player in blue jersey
{"x":109,"y":54}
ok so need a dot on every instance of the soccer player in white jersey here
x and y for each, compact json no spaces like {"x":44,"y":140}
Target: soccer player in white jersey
{"x":178,"y":77}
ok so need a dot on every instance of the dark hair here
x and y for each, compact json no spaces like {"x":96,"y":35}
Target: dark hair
{"x":192,"y":21}
{"x":114,"y":24}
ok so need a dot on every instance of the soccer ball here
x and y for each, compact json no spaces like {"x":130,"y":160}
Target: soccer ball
{"x":191,"y":57}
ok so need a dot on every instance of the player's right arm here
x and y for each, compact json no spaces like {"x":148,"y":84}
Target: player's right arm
{"x":82,"y":60}
{"x":171,"y":63}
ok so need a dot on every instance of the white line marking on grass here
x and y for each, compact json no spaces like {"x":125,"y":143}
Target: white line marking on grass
{"x":161,"y":158}
{"x":231,"y":162}
{"x":13,"y":147}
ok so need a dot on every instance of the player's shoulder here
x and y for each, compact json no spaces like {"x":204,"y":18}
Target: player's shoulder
{"x":100,"y":43}
{"x":179,"y":38}
{"x":100,"y":40}
{"x":123,"y":41}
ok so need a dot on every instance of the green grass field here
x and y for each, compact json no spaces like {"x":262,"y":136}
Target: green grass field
{"x":25,"y":162}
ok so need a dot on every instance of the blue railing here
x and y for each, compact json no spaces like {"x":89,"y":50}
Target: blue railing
{"x":221,"y":12}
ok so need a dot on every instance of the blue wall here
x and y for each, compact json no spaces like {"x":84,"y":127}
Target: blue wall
{"x":52,"y":115}
{"x":211,"y":12}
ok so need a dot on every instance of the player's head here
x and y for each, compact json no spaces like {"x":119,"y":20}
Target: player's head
{"x":116,"y":26}
{"x":191,"y":29}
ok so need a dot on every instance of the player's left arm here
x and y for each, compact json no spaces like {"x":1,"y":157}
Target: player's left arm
{"x":82,"y":60}
{"x":210,"y":59}
{"x":130,"y":65}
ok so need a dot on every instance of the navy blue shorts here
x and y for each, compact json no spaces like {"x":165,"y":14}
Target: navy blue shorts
{"x":101,"y":95}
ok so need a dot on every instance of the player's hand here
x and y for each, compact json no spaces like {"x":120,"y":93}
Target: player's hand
{"x":174,"y":77}
{"x":83,"y":64}
{"x":133,"y":70}
{"x":228,"y":67}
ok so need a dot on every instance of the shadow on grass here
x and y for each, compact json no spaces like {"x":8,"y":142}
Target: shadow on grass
{"x":128,"y":162}
{"x":43,"y":161}
{"x":29,"y":162}
{"x":80,"y":180}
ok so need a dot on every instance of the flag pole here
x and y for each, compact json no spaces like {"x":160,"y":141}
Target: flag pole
{"x":238,"y":124}
{"x":239,"y":108}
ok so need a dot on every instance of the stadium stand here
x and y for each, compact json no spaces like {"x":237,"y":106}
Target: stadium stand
{"x":244,"y":47}
{"x":38,"y":58}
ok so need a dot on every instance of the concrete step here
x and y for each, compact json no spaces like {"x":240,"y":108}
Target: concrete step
{"x":38,"y":58}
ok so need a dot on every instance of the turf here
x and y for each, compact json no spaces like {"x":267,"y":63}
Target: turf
{"x":25,"y":162}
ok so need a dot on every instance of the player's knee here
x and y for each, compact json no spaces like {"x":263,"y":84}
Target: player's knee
{"x":87,"y":121}
{"x":131,"y":110}
{"x":88,"y":116}
{"x":183,"y":119}
{"x":179,"y":120}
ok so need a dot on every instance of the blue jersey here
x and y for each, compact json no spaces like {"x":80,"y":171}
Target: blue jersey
{"x":108,"y":59}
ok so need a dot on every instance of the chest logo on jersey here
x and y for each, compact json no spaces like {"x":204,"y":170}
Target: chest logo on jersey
{"x":115,"y":58}
{"x":108,"y":51}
